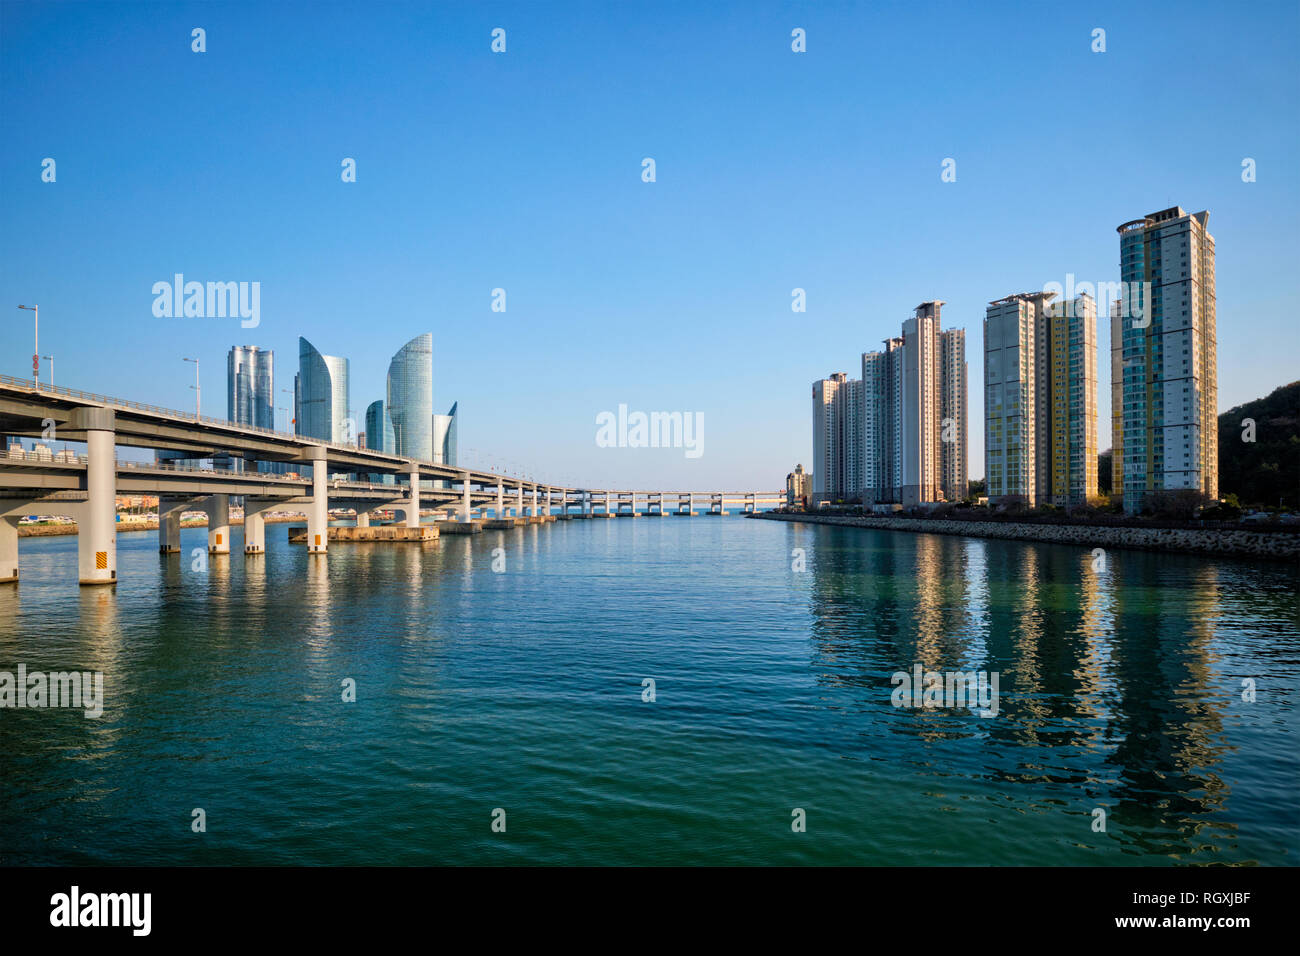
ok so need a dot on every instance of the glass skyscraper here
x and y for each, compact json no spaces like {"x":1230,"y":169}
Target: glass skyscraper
{"x":250,"y":386}
{"x":379,"y":430}
{"x":410,"y":398}
{"x":444,"y":437}
{"x":321,"y":396}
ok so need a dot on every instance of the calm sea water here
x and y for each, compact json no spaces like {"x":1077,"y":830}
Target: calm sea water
{"x":522,"y":690}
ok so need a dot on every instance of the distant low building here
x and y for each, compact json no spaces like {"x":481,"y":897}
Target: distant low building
{"x":797,"y":485}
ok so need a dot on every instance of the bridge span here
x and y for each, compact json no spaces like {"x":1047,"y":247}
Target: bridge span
{"x":85,"y":486}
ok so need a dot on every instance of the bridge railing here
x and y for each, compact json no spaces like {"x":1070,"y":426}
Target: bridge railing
{"x":394,"y":461}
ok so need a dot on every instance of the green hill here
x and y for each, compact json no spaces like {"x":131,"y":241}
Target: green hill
{"x":1267,"y":470}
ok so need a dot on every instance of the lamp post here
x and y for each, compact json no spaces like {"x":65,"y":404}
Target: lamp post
{"x":198,"y":392}
{"x":36,"y":335}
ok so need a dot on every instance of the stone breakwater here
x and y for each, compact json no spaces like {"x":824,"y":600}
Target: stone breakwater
{"x":1273,"y":545}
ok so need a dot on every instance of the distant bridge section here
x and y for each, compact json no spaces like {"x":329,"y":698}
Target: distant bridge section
{"x":85,"y":486}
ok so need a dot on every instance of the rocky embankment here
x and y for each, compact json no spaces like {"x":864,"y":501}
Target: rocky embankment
{"x":1238,"y":542}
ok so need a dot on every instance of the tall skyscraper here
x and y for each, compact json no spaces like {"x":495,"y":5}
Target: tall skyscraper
{"x":1169,"y":372}
{"x":444,"y":437}
{"x":250,"y":386}
{"x":1116,"y":402}
{"x":379,"y":430}
{"x":1040,"y":399}
{"x":409,"y":401}
{"x":837,"y":439}
{"x":914,"y":417}
{"x":321,"y":396}
{"x":953,"y":436}
{"x":882,"y":395}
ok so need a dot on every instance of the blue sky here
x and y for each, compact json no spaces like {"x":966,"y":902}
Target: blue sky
{"x":522,"y":171}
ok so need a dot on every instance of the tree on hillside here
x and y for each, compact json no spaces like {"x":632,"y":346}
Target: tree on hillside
{"x":1265,"y":471}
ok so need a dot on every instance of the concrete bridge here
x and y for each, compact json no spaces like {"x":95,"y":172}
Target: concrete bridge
{"x":85,"y":486}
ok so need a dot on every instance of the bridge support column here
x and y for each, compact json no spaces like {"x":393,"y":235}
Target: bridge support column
{"x":413,"y":511}
{"x":255,"y":525}
{"x":363,"y":518}
{"x":464,"y":497}
{"x":218,"y":508}
{"x":501,"y":501}
{"x":169,"y":525}
{"x":96,"y":520}
{"x":519,"y":501}
{"x":318,"y":511}
{"x":548,"y":503}
{"x":9,"y":550}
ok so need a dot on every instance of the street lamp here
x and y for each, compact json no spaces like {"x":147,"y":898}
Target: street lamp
{"x":293,"y":422}
{"x":198,"y":392}
{"x":50,"y":359}
{"x":36,"y":335}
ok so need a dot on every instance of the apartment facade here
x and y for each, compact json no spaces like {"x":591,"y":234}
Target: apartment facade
{"x":796,"y":487}
{"x":1169,"y":357}
{"x":837,"y":439}
{"x":914,"y":414}
{"x":1040,"y":399}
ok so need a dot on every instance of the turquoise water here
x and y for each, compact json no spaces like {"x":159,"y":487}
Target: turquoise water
{"x":522,"y":690}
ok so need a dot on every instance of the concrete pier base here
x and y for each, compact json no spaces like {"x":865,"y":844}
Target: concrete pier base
{"x":388,"y":532}
{"x":9,"y":549}
{"x":459,"y":527}
{"x":169,"y":525}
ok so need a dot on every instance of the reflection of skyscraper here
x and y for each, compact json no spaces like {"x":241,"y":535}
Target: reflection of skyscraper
{"x":250,"y":386}
{"x":444,"y":437}
{"x":410,"y":398}
{"x":321,"y":395}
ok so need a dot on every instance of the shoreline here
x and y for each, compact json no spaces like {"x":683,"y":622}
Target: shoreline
{"x":70,"y":528}
{"x":1216,"y":542}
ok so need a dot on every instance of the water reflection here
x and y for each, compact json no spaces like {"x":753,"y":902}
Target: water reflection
{"x":1111,"y":684}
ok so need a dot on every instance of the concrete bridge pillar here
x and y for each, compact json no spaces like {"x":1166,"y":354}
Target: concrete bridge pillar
{"x":413,"y":512}
{"x":519,"y":499}
{"x":363,"y":518}
{"x":218,"y":509}
{"x":501,"y":501}
{"x":548,"y":503}
{"x":9,"y":549}
{"x":255,"y":524}
{"x":96,"y":521}
{"x":318,"y":511}
{"x":464,"y":498}
{"x":169,"y":524}
{"x":535,"y":511}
